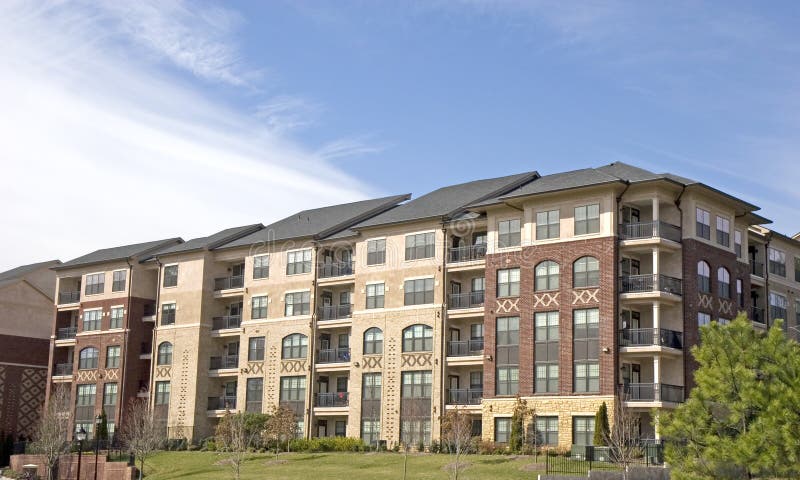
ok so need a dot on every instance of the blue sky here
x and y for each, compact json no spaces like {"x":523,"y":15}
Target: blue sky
{"x":214,"y":115}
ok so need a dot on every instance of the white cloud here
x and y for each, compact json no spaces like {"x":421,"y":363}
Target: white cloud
{"x":99,"y":148}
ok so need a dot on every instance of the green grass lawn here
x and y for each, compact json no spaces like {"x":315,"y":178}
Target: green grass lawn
{"x":335,"y":466}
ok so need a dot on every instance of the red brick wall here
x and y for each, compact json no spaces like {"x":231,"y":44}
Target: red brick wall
{"x":68,"y":467}
{"x":564,"y":253}
{"x":23,"y":381}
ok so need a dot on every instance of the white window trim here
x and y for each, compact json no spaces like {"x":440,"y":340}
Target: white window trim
{"x":586,"y":203}
{"x":288,"y":292}
{"x":423,"y":277}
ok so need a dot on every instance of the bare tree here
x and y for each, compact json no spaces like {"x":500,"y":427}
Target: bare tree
{"x":457,"y":432}
{"x":50,"y":438}
{"x":141,"y":433}
{"x":623,"y":437}
{"x":281,"y":426}
{"x":234,"y":437}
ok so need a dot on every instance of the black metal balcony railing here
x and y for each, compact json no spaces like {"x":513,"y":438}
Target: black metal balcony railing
{"x":638,"y":337}
{"x":333,"y":399}
{"x":221,"y":403}
{"x":464,"y":348}
{"x":334,"y":312}
{"x":465,"y":300}
{"x":66,"y":333}
{"x":464,"y":396}
{"x":650,"y":392}
{"x":334,"y":355}
{"x":632,"y":231}
{"x":146,"y":349}
{"x":467,"y":254}
{"x":227,"y":321}
{"x":226,"y":283}
{"x":69,"y":297}
{"x":225,"y":361}
{"x":336,"y":269}
{"x":62,"y":369}
{"x":757,"y":315}
{"x":757,"y":268}
{"x":650,"y":283}
{"x":149,"y":310}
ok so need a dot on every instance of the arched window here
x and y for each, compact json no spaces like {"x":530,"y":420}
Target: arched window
{"x":546,"y":276}
{"x":373,"y":341}
{"x":586,"y":272}
{"x":724,"y":282}
{"x":418,"y":338}
{"x":295,"y":346}
{"x":164,"y":354}
{"x":703,"y":277}
{"x":88,"y":358}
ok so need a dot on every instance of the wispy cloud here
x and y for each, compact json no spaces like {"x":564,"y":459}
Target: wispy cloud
{"x":348,"y":147}
{"x":284,"y":113}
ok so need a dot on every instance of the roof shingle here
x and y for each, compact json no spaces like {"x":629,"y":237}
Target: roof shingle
{"x":118,"y":253}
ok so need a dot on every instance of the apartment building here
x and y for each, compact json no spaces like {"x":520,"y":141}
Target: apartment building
{"x":372,"y":319}
{"x":26,"y":316}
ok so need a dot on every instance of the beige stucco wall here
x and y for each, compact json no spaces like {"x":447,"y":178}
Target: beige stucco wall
{"x":25,"y":311}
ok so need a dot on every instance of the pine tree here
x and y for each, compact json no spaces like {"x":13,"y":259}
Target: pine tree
{"x":102,"y":429}
{"x":601,"y":428}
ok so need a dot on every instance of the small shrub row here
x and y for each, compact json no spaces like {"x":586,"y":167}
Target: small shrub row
{"x":328,"y":444}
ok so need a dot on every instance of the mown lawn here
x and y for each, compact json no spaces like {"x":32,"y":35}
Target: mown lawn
{"x":335,"y":466}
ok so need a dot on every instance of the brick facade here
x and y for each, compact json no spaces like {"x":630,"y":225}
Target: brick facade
{"x":23,"y":380}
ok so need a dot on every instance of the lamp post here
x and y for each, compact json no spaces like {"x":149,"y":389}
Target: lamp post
{"x":80,"y":435}
{"x":97,"y":422}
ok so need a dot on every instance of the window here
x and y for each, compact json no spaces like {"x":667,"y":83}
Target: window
{"x":340,"y":428}
{"x":582,"y":430}
{"x":112,"y":356}
{"x":258,"y":307}
{"x":703,"y":277}
{"x":95,"y":283}
{"x":164,"y":354}
{"x":118,"y":284}
{"x":376,"y":252}
{"x":797,"y":269}
{"x":370,"y":431}
{"x":586,"y":346}
{"x":91,"y":320}
{"x":509,"y":233}
{"x":170,"y":276}
{"x":371,"y":386}
{"x":507,"y":353}
{"x":116,"y":317}
{"x":703,"y":224}
{"x":298,"y":262}
{"x":85,"y":395}
{"x":255,"y":350}
{"x":546,"y":351}
{"x":737,"y":243}
{"x":546,"y":276}
{"x":373,"y":341}
{"x":420,"y":245}
{"x":508,"y":331}
{"x":547,"y":225}
{"x":415,"y":406}
{"x":508,"y":282}
{"x":371,"y":407}
{"x":418,"y":338}
{"x":88,"y":358}
{"x":502,"y":429}
{"x":507,"y":380}
{"x":777,"y":262}
{"x":547,"y":431}
{"x":168,"y":314}
{"x":777,"y":306}
{"x":375,"y":293}
{"x":723,"y":232}
{"x":587,"y":219}
{"x":110,"y":394}
{"x":418,"y":292}
{"x":260,"y":267}
{"x":293,"y":389}
{"x":298,"y":303}
{"x":295,"y":346}
{"x":703,"y":319}
{"x":739,"y":293}
{"x":586,"y":272}
{"x":417,"y":384}
{"x":723,"y":282}
{"x":162,"y":393}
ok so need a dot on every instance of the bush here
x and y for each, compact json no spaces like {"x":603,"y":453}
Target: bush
{"x":327,"y":444}
{"x":436,"y":447}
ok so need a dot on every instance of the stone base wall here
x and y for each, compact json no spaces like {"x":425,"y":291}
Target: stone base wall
{"x":68,"y":467}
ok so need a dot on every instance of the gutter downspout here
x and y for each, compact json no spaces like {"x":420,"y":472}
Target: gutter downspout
{"x":615,"y":289}
{"x":443,"y":340}
{"x":683,"y":301}
{"x":313,"y":347}
{"x":126,"y":342}
{"x":767,"y":312}
{"x":151,"y":390}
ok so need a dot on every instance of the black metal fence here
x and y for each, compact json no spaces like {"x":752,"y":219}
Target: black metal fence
{"x":585,"y":458}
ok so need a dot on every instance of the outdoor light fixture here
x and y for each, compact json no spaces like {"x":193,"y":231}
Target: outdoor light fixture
{"x":97,"y":421}
{"x":80,"y":436}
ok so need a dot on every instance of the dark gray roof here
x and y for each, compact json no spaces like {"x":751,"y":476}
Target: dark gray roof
{"x":448,"y":201}
{"x":118,"y":253}
{"x":212,"y":241}
{"x":20,"y":272}
{"x":319,"y":222}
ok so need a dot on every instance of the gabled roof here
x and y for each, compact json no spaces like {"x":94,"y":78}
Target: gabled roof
{"x":20,"y":272}
{"x":212,"y":241}
{"x":319,"y":223}
{"x":448,"y":201}
{"x":118,"y":253}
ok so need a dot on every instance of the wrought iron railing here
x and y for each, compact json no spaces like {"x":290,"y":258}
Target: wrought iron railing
{"x":649,"y":392}
{"x":636,"y":337}
{"x":757,"y":268}
{"x":69,"y":297}
{"x":225,"y":322}
{"x":334,"y":312}
{"x":335,"y":269}
{"x":467,"y":254}
{"x":221,"y":403}
{"x":650,"y":283}
{"x":464,"y":348}
{"x":632,"y":231}
{"x":466,"y":300}
{"x":224,"y":361}
{"x":332,"y":399}
{"x":464,"y":396}
{"x":226,"y":283}
{"x":334,"y":355}
{"x":66,"y":333}
{"x":62,"y":369}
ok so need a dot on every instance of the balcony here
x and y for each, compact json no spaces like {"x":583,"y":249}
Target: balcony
{"x":66,"y":333}
{"x":228,"y":283}
{"x":149,"y":313}
{"x":457,"y":301}
{"x":652,"y":392}
{"x":62,"y":370}
{"x":467,"y":254}
{"x":334,"y":312}
{"x":757,"y":268}
{"x":224,"y":362}
{"x":335,"y":269}
{"x":65,"y":298}
{"x":757,"y":315}
{"x":334,"y":355}
{"x":464,"y":396}
{"x":645,"y":337}
{"x":222,"y":403}
{"x":638,"y":231}
{"x":226,"y":322}
{"x":650,"y":283}
{"x":335,"y":399}
{"x":465,"y":348}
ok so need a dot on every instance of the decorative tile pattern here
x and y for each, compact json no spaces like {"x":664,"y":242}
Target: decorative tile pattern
{"x":416,"y":360}
{"x":507,"y":305}
{"x":545,"y":299}
{"x":583,"y":297}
